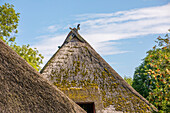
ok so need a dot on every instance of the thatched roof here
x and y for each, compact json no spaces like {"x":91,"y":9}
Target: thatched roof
{"x":24,"y":90}
{"x":77,"y":66}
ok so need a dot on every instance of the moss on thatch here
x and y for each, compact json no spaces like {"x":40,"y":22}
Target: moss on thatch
{"x":77,"y":64}
{"x":23,"y":89}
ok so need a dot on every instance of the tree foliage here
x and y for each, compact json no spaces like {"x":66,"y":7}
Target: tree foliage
{"x":129,"y":80}
{"x":152,"y":77}
{"x":141,"y":80}
{"x":8,"y":28}
{"x":32,"y":56}
{"x":8,"y":22}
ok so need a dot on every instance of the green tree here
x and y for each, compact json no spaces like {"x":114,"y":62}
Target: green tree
{"x":141,"y":80}
{"x":8,"y":23}
{"x":152,"y":77}
{"x":129,"y":80}
{"x":8,"y":28}
{"x":32,"y":56}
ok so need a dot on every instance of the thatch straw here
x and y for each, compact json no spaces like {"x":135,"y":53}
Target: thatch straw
{"x":76,"y":61}
{"x":24,"y":90}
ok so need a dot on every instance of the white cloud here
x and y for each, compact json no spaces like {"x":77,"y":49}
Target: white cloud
{"x":145,"y":19}
{"x":49,"y":45}
{"x":53,"y":28}
{"x":129,"y":14}
{"x":101,"y":28}
{"x":107,"y":48}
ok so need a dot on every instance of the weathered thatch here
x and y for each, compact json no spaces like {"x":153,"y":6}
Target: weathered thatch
{"x":81,"y":73}
{"x":24,"y":90}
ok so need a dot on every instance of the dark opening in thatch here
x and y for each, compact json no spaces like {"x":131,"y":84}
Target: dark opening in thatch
{"x":89,"y":107}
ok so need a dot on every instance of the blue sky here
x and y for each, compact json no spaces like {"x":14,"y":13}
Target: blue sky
{"x":121,"y":31}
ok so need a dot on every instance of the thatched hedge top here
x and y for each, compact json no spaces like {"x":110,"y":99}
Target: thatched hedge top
{"x":22,"y":89}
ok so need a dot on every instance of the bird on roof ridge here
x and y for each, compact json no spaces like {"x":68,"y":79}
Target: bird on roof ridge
{"x":78,"y":27}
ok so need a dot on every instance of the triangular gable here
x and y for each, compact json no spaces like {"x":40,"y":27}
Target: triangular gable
{"x":78,"y":66}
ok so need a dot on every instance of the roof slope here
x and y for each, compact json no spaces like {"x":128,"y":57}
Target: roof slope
{"x":23,"y":89}
{"x":77,"y":64}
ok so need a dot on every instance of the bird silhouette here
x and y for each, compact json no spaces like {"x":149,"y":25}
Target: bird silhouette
{"x":78,"y":27}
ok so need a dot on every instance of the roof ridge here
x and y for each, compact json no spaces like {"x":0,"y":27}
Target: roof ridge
{"x":67,"y":40}
{"x":74,"y":34}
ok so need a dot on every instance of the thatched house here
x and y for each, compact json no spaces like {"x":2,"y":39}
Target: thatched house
{"x":85,"y":77}
{"x":24,"y":90}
